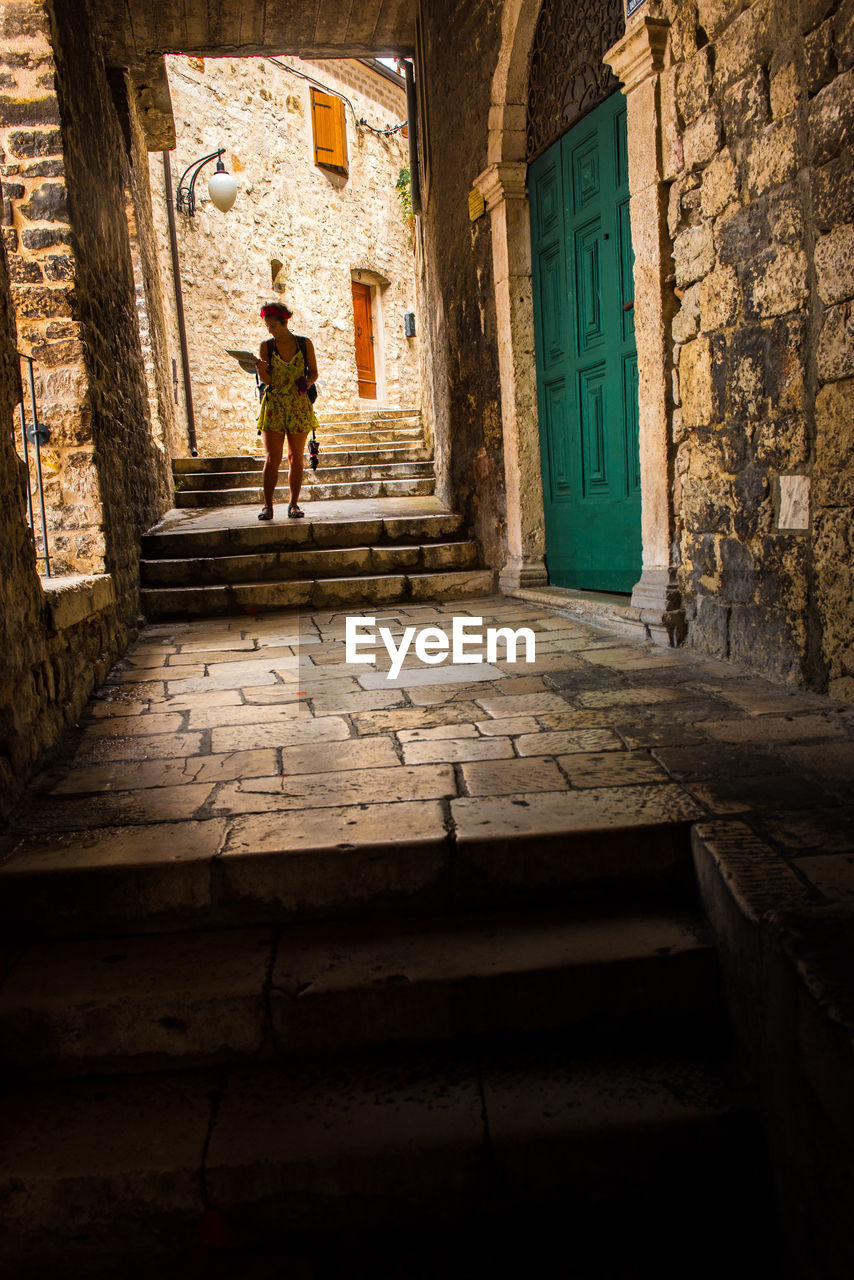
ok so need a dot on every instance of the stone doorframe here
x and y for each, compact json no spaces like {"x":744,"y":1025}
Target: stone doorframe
{"x":637,"y":61}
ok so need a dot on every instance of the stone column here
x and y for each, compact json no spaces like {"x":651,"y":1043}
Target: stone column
{"x":503,"y":187}
{"x":637,"y":61}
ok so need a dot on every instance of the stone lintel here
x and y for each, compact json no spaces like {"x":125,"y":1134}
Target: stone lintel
{"x":74,"y":597}
{"x":504,"y":180}
{"x":148,"y":83}
{"x":640,"y":53}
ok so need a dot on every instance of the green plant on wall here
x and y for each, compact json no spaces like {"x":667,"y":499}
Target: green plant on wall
{"x":403,"y":187}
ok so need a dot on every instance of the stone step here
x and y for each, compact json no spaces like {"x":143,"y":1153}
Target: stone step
{"x":113,"y":862}
{"x":369,"y":415}
{"x":333,"y":471}
{"x":96,"y":1172}
{"x":279,"y":566}
{"x":357,"y":589}
{"x":313,"y":490}
{"x":189,"y":469}
{"x":275,"y":535}
{"x":235,"y":462}
{"x":389,"y":435}
{"x":372,"y":453}
{"x":183,"y":1000}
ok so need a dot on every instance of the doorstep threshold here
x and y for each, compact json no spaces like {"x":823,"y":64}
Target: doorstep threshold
{"x":609,"y":610}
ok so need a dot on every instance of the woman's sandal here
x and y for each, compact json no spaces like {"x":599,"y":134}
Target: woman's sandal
{"x":294,"y":512}
{"x":266,"y":513}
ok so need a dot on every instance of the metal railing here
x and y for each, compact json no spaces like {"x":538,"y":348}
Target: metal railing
{"x":34,"y":433}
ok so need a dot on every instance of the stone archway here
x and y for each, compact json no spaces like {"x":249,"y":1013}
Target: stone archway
{"x":636,"y":59}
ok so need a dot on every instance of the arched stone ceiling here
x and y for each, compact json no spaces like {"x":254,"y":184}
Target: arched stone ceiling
{"x":133,"y":30}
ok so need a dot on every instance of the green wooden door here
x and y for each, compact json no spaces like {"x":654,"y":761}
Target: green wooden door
{"x":587,"y":372}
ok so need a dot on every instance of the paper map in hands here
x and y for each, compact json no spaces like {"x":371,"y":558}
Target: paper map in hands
{"x":246,"y":359}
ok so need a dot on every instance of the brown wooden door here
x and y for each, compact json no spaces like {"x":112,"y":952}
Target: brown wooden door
{"x":365,"y":368}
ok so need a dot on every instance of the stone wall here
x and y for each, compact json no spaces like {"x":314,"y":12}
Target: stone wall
{"x":20,"y":594}
{"x":65,"y":180}
{"x":41,"y":267}
{"x":459,"y":319}
{"x":759,"y":110}
{"x":66,"y":173}
{"x":151,"y":312}
{"x":52,"y":658}
{"x":321,"y":226}
{"x":749,"y":501}
{"x":133,"y":476}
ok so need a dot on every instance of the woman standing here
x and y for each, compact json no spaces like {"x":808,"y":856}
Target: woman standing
{"x":286,"y":411}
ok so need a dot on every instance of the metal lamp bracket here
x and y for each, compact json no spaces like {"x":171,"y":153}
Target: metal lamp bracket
{"x":186,"y":200}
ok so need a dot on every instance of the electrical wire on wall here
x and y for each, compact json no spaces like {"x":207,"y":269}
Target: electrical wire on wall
{"x":335,"y":93}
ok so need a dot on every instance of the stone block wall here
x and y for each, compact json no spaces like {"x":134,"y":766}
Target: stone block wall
{"x":151,"y":312}
{"x":48,"y":670}
{"x":69,"y":291}
{"x":37,"y":236}
{"x":462,"y":383}
{"x":759,"y":112}
{"x":133,"y":479}
{"x":66,"y":173}
{"x":320,"y":225}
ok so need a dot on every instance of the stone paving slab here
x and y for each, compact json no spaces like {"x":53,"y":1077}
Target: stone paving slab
{"x":342,"y":787}
{"x":295,"y":731}
{"x":163,"y":746}
{"x":145,"y":805}
{"x":157,"y":773}
{"x":457,"y":750}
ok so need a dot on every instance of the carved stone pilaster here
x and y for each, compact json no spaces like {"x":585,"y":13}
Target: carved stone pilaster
{"x":505,"y":180}
{"x":637,"y":59}
{"x":640,"y":53}
{"x":503,"y":186}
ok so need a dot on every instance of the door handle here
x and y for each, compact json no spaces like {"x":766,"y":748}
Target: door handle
{"x":629,"y":306}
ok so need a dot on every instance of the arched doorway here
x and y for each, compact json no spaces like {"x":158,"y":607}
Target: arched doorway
{"x":583,"y":295}
{"x":637,"y":58}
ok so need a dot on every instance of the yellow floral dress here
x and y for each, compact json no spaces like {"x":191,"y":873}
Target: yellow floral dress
{"x":283,"y":409}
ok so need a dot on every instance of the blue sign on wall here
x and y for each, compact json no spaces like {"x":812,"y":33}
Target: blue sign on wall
{"x":632,"y":6}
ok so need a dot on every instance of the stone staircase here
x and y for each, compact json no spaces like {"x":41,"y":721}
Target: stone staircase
{"x":344,"y":558}
{"x":403,"y":1057}
{"x":338,"y":555}
{"x":363,"y":455}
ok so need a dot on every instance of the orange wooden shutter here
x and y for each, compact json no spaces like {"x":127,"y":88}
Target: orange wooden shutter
{"x":330,"y":133}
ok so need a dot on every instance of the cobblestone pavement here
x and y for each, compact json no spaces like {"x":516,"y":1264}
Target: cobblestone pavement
{"x":256,"y":733}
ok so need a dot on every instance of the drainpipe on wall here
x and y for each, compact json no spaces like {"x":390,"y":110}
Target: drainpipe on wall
{"x":411,"y":119}
{"x":179,"y":307}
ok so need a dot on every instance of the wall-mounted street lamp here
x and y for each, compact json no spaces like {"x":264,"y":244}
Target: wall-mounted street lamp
{"x":222,"y":188}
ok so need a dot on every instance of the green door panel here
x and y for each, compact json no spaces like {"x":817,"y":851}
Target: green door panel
{"x":587,"y":375}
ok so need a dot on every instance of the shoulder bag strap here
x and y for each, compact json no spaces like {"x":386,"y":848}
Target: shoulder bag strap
{"x":302,"y":347}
